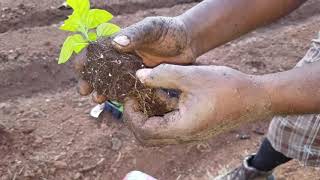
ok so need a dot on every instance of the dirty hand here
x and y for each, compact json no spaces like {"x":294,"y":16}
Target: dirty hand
{"x":213,"y":98}
{"x":155,"y":39}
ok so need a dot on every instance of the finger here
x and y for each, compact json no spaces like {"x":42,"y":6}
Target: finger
{"x":136,"y":35}
{"x":152,"y":131}
{"x":133,"y":117}
{"x":168,"y":76}
{"x":84,"y":88}
{"x":80,"y":61}
{"x":97,"y":98}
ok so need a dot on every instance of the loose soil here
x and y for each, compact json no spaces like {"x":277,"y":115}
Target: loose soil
{"x":112,"y":74}
{"x":46,"y":131}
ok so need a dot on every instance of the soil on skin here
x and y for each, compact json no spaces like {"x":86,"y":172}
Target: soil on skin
{"x":46,"y":131}
{"x":112,"y":74}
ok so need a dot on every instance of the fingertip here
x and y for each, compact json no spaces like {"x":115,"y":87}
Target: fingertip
{"x":121,"y":40}
{"x":97,"y":98}
{"x":84,"y":88}
{"x":143,"y":75}
{"x":121,"y":43}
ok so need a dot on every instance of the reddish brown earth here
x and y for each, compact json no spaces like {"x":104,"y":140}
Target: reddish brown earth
{"x":45,"y":129}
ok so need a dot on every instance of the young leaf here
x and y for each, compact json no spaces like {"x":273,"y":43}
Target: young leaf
{"x":66,"y":50}
{"x":107,"y":29}
{"x":73,"y":43}
{"x":71,"y":24}
{"x":97,"y":17}
{"x":78,"y":43}
{"x":80,"y":6}
{"x":92,"y":36}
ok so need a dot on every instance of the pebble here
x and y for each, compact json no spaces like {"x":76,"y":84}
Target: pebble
{"x":56,"y":158}
{"x":259,"y":131}
{"x":243,"y":136}
{"x":254,"y":70}
{"x":2,"y":127}
{"x":116,"y":143}
{"x":60,"y":164}
{"x":38,"y":140}
{"x":13,"y":55}
{"x":7,"y":108}
{"x":52,"y":170}
{"x":77,"y":176}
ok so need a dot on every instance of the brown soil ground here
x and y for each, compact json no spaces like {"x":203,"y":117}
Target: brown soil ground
{"x":45,"y":129}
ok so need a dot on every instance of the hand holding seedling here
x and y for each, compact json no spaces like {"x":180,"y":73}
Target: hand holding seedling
{"x":156,"y":40}
{"x":213,"y":99}
{"x":110,"y":72}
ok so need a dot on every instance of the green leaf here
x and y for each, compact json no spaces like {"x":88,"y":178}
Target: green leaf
{"x":97,"y":17}
{"x":72,"y":44}
{"x":66,"y":51}
{"x":72,"y":23}
{"x":92,"y":36}
{"x":80,"y":6}
{"x":78,"y":43}
{"x":107,"y":29}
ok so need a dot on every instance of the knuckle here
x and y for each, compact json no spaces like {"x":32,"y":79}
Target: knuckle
{"x":152,"y":19}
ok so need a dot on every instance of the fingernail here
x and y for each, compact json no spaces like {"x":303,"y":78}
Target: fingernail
{"x":143,"y":74}
{"x":122,"y":40}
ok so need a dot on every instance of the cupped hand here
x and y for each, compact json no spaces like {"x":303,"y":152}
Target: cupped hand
{"x":213,"y":99}
{"x":155,"y":39}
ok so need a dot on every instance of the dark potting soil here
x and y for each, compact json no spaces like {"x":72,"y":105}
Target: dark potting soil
{"x":112,"y":74}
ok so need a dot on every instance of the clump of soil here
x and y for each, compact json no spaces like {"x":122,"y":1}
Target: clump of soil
{"x":112,"y":74}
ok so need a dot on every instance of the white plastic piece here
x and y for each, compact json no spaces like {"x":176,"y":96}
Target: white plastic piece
{"x":137,"y":175}
{"x":97,"y":110}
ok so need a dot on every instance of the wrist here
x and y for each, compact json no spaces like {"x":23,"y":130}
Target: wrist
{"x":191,"y":35}
{"x":267,"y":86}
{"x":256,"y":98}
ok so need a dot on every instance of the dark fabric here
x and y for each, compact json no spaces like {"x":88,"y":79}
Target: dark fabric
{"x":267,"y":157}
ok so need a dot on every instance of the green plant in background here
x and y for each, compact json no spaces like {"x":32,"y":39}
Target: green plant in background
{"x":88,"y":24}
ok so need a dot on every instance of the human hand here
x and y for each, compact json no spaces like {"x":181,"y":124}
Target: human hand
{"x":155,"y":39}
{"x":214,"y":99}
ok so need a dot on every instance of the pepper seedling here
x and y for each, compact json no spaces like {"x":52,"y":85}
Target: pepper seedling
{"x":87,"y":24}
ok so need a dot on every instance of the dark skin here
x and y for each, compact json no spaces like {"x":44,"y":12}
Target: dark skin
{"x":225,"y":94}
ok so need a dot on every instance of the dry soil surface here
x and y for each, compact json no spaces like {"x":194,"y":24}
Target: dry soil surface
{"x":45,"y":129}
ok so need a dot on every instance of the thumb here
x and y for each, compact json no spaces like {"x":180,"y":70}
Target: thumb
{"x":136,"y":35}
{"x":167,"y":76}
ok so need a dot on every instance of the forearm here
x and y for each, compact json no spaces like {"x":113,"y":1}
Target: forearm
{"x":215,"y":22}
{"x":296,"y":91}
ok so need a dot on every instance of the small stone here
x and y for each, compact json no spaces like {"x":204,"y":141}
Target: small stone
{"x":243,"y":136}
{"x":7,"y":108}
{"x":259,"y":131}
{"x":2,"y":127}
{"x":28,"y":130}
{"x":60,"y":164}
{"x":52,"y":170}
{"x":56,"y":158}
{"x":38,"y":140}
{"x":116,"y":143}
{"x":254,"y":70}
{"x":13,"y":55}
{"x":77,"y":176}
